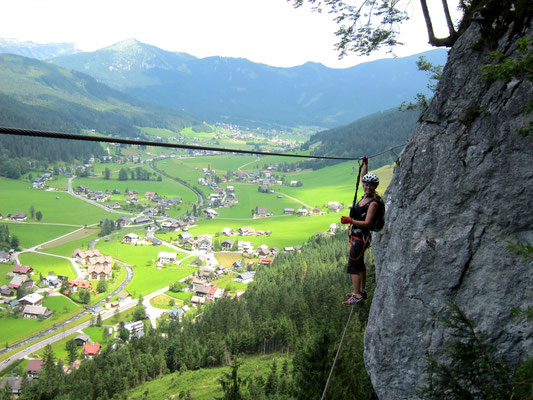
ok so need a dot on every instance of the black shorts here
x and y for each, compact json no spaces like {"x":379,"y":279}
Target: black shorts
{"x":356,"y":259}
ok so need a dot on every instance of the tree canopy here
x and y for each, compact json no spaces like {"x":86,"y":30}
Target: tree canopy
{"x":369,"y":25}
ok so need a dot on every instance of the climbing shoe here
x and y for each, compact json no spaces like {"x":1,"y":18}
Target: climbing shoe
{"x":362,"y":294}
{"x":355,"y":299}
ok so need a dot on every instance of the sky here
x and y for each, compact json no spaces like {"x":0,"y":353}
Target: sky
{"x":264,"y":31}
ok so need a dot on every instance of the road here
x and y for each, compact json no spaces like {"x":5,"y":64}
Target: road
{"x":94,"y":203}
{"x":23,"y":353}
{"x":251,"y":162}
{"x":60,"y":336}
{"x":296,"y":200}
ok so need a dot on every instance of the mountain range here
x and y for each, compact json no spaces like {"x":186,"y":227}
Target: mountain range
{"x":239,"y":91}
{"x":39,"y":95}
{"x":36,"y":50}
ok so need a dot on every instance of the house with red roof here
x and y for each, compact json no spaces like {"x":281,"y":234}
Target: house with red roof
{"x":34,"y":367}
{"x":80,"y":284}
{"x":90,"y":350}
{"x":22,"y":269}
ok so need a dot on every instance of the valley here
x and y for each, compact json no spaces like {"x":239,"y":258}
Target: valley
{"x":171,"y":196}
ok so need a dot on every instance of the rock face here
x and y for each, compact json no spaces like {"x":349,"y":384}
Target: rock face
{"x":463,"y":187}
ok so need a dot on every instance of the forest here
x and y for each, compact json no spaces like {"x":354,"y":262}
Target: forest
{"x":369,"y":135}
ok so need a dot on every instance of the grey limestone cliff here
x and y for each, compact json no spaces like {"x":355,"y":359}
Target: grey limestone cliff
{"x":463,"y":187}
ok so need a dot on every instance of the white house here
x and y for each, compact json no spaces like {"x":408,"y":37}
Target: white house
{"x":228,"y":232}
{"x":334,"y":206}
{"x":245,"y":246}
{"x":245,"y":277}
{"x":165,"y":257}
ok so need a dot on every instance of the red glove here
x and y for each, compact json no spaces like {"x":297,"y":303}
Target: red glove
{"x":365,"y":160}
{"x":346,"y":220}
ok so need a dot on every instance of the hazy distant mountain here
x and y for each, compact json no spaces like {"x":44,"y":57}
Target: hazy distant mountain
{"x":36,"y":50}
{"x":240,"y":91}
{"x":40,"y":95}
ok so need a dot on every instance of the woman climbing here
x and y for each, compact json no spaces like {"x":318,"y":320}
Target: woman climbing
{"x":362,"y":217}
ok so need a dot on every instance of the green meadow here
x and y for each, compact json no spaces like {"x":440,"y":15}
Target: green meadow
{"x":33,"y":233}
{"x":226,"y":282}
{"x":55,"y":206}
{"x":335,"y":183}
{"x":203,"y":383}
{"x":149,"y":279}
{"x":44,"y":264}
{"x":185,"y":297}
{"x":96,"y":333}
{"x":286,"y":230}
{"x":67,"y":247}
{"x":166,"y":187}
{"x":163,"y":301}
{"x":249,"y":198}
{"x":270,"y":160}
{"x":4,"y":269}
{"x":13,"y":330}
{"x":145,"y":255}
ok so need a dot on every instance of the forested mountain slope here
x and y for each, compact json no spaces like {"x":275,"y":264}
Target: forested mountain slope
{"x":365,"y":136}
{"x":247,"y":93}
{"x":39,"y":95}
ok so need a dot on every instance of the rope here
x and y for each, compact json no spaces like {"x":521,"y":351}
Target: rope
{"x":337,"y":355}
{"x":71,"y":136}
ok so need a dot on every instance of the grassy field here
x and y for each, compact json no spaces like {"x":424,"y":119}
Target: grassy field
{"x":60,"y":304}
{"x":57,"y":207}
{"x":4,"y":269}
{"x":66,"y":246}
{"x":59,"y":349}
{"x":226,"y":282}
{"x":79,"y":321}
{"x":185,"y":297}
{"x":147,"y":280}
{"x":166,"y":187}
{"x":286,"y":230}
{"x":96,"y":333}
{"x":163,"y":301}
{"x":250,"y":198}
{"x":227,"y":259}
{"x":203,"y":384}
{"x":34,"y":233}
{"x":59,"y":182}
{"x":13,"y":330}
{"x":130,"y":254}
{"x":46,"y":264}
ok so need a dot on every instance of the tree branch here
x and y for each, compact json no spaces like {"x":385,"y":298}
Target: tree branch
{"x":437,"y":42}
{"x":449,"y":21}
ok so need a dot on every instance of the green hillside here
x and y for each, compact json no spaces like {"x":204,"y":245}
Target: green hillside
{"x":365,"y":136}
{"x":39,"y":95}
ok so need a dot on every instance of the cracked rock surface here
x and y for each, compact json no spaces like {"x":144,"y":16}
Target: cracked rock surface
{"x":464,"y":187}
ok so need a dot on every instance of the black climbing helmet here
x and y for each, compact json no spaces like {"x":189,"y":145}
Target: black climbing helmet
{"x":371,"y":178}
